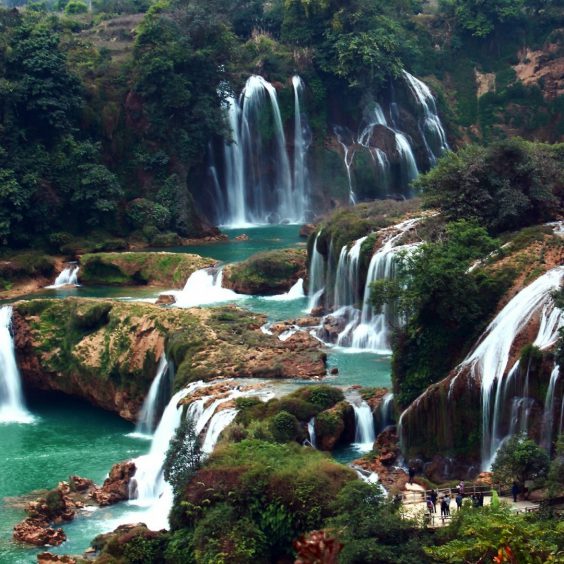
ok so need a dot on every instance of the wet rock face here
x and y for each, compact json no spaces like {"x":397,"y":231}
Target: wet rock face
{"x":48,"y":558}
{"x":116,"y":485}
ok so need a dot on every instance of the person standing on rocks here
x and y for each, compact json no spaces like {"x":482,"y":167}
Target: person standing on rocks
{"x":411,"y":473}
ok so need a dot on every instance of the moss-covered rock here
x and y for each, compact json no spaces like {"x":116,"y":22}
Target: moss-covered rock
{"x":25,"y":272}
{"x":268,"y":273}
{"x":107,"y":352}
{"x":170,"y":270}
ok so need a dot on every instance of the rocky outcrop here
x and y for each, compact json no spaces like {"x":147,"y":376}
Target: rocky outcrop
{"x":168,"y":270}
{"x":107,"y":352}
{"x":335,"y":426}
{"x":38,"y":533}
{"x":49,"y":558}
{"x":268,"y":273}
{"x":116,"y":485}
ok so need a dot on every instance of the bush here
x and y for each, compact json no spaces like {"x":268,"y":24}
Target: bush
{"x":76,"y":7}
{"x":321,"y":396}
{"x":142,"y":213}
{"x":285,"y":427}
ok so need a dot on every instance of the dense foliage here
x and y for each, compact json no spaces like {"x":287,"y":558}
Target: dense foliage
{"x":507,"y":185}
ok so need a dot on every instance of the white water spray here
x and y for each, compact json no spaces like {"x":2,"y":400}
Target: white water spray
{"x":68,"y":277}
{"x":147,"y":416}
{"x":12,"y":407}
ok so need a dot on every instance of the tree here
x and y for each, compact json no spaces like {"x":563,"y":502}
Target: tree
{"x":519,"y":459}
{"x":183,"y":457}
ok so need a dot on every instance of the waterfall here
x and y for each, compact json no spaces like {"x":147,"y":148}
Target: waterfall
{"x":12,"y":407}
{"x":365,"y":434}
{"x":432,"y":131}
{"x":316,"y":285}
{"x":548,"y":414}
{"x":347,"y":160}
{"x":301,"y":145}
{"x":346,"y":283}
{"x":386,"y":411}
{"x":258,"y":182}
{"x":203,"y":287}
{"x":68,"y":277}
{"x":147,"y":419}
{"x":488,"y":361}
{"x":218,"y":423}
{"x":364,"y":328}
{"x":234,"y":175}
{"x":296,"y":292}
{"x":311,"y":432}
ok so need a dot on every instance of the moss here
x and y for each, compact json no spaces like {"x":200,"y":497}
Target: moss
{"x":321,"y":396}
{"x":126,"y":269}
{"x":267,"y":273}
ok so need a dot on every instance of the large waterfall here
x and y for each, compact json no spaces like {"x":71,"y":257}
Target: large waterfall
{"x":488,"y":362}
{"x":258,"y":181}
{"x":12,"y":407}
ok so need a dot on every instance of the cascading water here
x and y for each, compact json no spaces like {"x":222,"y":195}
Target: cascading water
{"x":12,"y":407}
{"x":364,"y":328}
{"x":203,"y":287}
{"x":365,"y":434}
{"x":386,"y":414}
{"x":316,"y":285}
{"x":432,"y":131}
{"x":147,"y":420}
{"x":296,"y":292}
{"x":259,"y":185}
{"x":348,"y":157}
{"x":488,"y":361}
{"x":311,"y":432}
{"x":548,"y":414}
{"x":301,"y":144}
{"x":218,"y":423}
{"x":236,"y":212}
{"x":68,"y":277}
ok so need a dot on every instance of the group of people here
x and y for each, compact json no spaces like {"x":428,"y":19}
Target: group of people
{"x":477,"y":500}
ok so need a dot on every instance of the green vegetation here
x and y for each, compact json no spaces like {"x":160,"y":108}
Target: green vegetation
{"x":270,"y":272}
{"x":519,"y":459}
{"x":509,"y":185}
{"x":128,"y":269}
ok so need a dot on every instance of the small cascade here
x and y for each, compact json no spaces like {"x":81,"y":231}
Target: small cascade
{"x":386,"y":411}
{"x":548,"y":414}
{"x":311,"y":432}
{"x":218,"y":423}
{"x":12,"y":407}
{"x":365,"y":434}
{"x":301,"y":144}
{"x":296,"y":292}
{"x":68,"y":277}
{"x":258,"y":181}
{"x":204,"y":287}
{"x":346,"y":282}
{"x":348,"y":157}
{"x":488,"y":361}
{"x":316,"y":284}
{"x":148,"y":416}
{"x":432,"y":131}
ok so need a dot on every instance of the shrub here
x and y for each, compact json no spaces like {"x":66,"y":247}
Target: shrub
{"x":142,"y":213}
{"x":285,"y":427}
{"x":76,"y":7}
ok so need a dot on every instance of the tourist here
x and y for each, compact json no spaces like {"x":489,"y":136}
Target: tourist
{"x":459,"y":501}
{"x":443,"y":507}
{"x":434,"y":496}
{"x":447,"y":504}
{"x":430,"y":505}
{"x":480,"y":499}
{"x":514,"y":491}
{"x":461,"y":487}
{"x":411,"y":474}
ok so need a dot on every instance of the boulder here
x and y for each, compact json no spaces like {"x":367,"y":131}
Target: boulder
{"x":38,"y":533}
{"x":116,"y":485}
